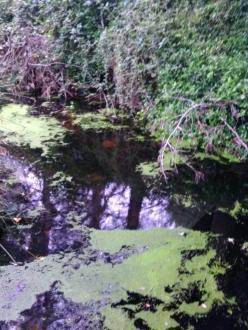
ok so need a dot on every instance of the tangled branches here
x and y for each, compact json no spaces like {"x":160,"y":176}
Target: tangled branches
{"x":26,"y":64}
{"x":209,"y":120}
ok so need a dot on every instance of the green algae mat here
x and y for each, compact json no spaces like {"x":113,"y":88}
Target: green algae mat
{"x":153,"y":278}
{"x":19,"y":128}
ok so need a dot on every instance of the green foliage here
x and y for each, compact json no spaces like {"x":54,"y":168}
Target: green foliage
{"x":211,"y":64}
{"x":205,"y":58}
{"x":75,"y":27}
{"x":128,"y":48}
{"x":6,"y":14}
{"x":161,"y":56}
{"x":169,"y":55}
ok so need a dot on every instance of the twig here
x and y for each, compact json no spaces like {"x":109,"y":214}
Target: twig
{"x":177,"y":127}
{"x":212,"y":103}
{"x":241,"y":141}
{"x":10,"y":256}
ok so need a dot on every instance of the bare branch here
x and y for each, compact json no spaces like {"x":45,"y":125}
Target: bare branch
{"x":240,"y":140}
{"x":223,"y":104}
{"x":177,"y":127}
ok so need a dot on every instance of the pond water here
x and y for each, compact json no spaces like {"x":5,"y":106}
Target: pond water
{"x":90,"y":179}
{"x":74,"y":194}
{"x":55,"y":181}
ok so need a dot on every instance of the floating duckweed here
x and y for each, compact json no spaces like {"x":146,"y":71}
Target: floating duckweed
{"x":19,"y":127}
{"x":95,"y":121}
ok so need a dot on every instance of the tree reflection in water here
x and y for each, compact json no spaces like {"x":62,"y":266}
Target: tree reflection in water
{"x":106,"y":194}
{"x":116,"y":206}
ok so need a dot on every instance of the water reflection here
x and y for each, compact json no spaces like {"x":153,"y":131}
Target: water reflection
{"x":20,"y":181}
{"x":115,"y":206}
{"x":105,"y":193}
{"x":91,"y":180}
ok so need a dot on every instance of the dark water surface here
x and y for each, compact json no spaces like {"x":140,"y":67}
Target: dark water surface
{"x":50,"y":202}
{"x":92,"y":180}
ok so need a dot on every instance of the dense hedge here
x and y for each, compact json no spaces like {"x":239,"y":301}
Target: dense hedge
{"x":168,"y":56}
{"x":160,"y":57}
